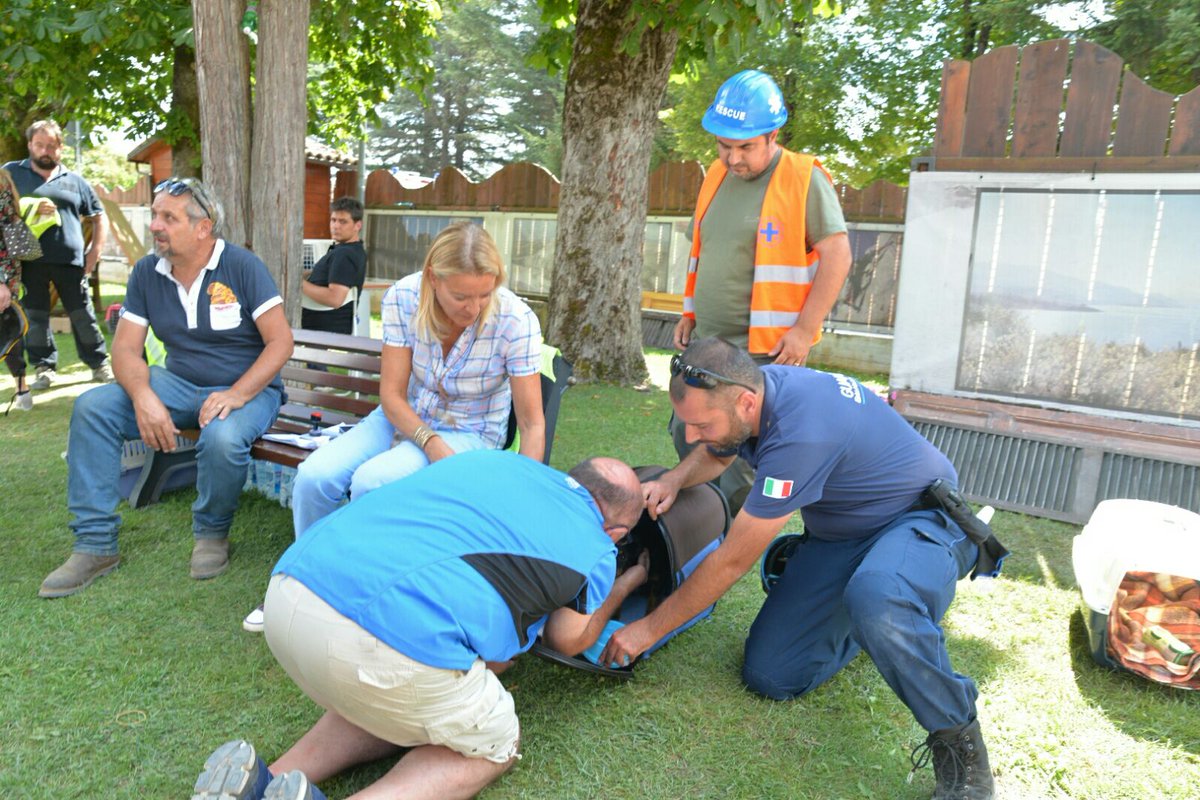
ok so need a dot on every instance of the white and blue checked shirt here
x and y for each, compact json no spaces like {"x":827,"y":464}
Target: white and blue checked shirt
{"x":468,"y":390}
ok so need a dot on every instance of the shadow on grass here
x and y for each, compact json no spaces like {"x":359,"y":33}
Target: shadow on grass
{"x":1140,"y":708}
{"x":1041,"y":549}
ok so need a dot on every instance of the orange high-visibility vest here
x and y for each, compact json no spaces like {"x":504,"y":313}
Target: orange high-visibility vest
{"x":784,"y":267}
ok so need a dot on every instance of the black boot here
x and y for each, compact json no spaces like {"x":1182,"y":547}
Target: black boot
{"x":960,"y":763}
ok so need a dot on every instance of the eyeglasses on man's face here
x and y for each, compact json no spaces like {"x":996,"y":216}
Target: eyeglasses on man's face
{"x":177,"y":186}
{"x":700,"y":378}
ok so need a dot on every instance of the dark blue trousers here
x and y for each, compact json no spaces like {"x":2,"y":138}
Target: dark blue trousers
{"x":885,"y":594}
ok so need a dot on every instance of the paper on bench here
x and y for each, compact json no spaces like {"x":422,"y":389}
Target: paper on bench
{"x":308,"y":441}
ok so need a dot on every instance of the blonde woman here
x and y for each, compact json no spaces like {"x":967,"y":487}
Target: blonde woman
{"x":10,"y":278}
{"x":458,"y":350}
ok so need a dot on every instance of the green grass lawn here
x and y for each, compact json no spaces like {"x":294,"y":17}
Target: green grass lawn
{"x":122,"y":690}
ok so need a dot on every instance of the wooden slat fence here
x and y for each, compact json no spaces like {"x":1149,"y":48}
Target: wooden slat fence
{"x":136,"y":195}
{"x":1061,"y":106}
{"x":672,"y":191}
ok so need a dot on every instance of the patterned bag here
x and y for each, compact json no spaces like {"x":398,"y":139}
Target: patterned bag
{"x":20,"y":241}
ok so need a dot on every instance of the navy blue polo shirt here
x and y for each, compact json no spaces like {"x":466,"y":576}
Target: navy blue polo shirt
{"x":61,"y":244}
{"x":833,"y":450}
{"x":209,"y":330}
{"x":461,"y":560}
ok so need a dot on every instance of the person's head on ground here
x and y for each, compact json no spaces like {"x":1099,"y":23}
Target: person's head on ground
{"x":185,"y":220}
{"x":462,"y":271}
{"x":345,"y":220}
{"x":616,"y":490}
{"x":715,"y":391}
{"x":745,"y":117}
{"x":45,"y":141}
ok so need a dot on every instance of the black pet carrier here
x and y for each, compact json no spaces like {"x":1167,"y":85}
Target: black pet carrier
{"x":677,"y":541}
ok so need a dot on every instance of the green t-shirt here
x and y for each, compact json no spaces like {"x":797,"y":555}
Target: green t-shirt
{"x":728,"y":231}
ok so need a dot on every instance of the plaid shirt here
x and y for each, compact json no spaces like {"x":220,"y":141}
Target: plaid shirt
{"x":468,"y":390}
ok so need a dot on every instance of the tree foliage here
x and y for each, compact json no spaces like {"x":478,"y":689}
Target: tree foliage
{"x":108,"y":63}
{"x":359,"y":50}
{"x":103,"y":62}
{"x":484,"y":104}
{"x":862,"y":86}
{"x":1159,"y":39}
{"x":105,"y":166}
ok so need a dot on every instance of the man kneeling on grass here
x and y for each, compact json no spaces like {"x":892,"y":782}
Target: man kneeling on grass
{"x":395,"y":613}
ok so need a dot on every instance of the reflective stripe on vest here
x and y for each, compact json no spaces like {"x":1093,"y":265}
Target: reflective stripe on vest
{"x":784,"y":268}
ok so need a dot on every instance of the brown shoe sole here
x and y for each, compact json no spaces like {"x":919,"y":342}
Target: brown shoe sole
{"x":203,"y":576}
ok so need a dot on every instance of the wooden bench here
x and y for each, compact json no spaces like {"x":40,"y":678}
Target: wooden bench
{"x":314,"y":383}
{"x":340,"y":397}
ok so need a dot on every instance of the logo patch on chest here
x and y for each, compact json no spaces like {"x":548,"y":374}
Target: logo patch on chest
{"x":220,"y":294}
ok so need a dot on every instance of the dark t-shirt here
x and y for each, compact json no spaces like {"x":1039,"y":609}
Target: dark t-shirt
{"x":344,"y":264}
{"x":833,"y":450}
{"x":61,"y":244}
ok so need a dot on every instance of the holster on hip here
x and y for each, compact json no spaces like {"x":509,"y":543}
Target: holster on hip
{"x":941,"y":494}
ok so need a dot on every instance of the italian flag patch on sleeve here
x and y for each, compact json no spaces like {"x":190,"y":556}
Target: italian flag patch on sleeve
{"x":776,"y":488}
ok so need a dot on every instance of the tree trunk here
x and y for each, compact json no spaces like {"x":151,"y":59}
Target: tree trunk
{"x":280,"y":120}
{"x":186,"y":159}
{"x":610,"y":113}
{"x":26,"y":110}
{"x":223,"y":76}
{"x":13,"y":148}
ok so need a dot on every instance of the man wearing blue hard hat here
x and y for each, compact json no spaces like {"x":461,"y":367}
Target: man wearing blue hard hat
{"x":769,"y":246}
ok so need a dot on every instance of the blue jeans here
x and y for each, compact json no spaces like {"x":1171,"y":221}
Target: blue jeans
{"x":361,"y":459}
{"x":886,"y":595}
{"x":103,"y":419}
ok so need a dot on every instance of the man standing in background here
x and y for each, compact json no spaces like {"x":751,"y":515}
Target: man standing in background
{"x":65,"y":262}
{"x":769,"y":246}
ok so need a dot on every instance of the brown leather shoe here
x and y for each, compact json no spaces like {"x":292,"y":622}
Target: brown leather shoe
{"x":77,"y":573}
{"x":210,"y":557}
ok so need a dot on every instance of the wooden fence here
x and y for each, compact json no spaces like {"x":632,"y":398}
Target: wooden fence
{"x":1055,"y":106}
{"x":672,"y":189}
{"x":136,"y":195}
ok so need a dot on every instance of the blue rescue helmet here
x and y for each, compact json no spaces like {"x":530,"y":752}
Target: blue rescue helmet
{"x":747,"y":105}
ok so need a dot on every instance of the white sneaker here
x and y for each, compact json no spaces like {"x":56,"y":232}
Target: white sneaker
{"x":102,"y":373}
{"x":254,"y":620}
{"x":25,"y":400}
{"x":45,"y":376}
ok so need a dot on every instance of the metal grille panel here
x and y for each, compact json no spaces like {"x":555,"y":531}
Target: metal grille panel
{"x":1148,"y":479}
{"x":1007,"y":470}
{"x":397,"y":243}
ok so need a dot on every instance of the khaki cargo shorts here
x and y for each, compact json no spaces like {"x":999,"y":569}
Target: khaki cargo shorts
{"x":345,"y":669}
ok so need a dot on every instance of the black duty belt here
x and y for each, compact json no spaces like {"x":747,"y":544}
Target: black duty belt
{"x":942,"y":495}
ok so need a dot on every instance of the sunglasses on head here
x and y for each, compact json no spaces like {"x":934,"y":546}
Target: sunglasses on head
{"x":700,"y":378}
{"x":177,"y":186}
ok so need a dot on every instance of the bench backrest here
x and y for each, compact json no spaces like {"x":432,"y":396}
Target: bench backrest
{"x":345,"y":391}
